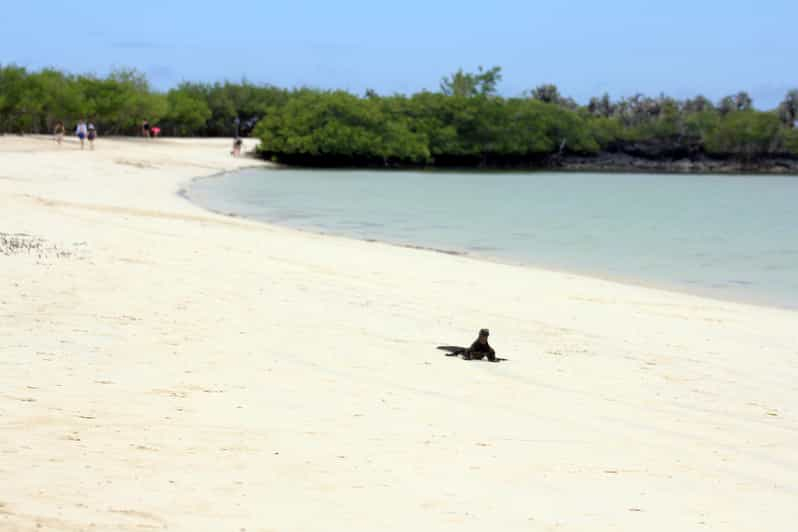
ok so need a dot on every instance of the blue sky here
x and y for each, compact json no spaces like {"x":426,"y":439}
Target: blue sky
{"x":586,"y":47}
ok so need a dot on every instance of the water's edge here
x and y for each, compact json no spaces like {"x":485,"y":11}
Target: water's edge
{"x":184,"y":193}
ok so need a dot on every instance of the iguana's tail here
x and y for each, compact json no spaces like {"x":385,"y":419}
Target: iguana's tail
{"x":452,"y":350}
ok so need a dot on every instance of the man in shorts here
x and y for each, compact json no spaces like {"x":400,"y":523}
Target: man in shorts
{"x":82,"y":132}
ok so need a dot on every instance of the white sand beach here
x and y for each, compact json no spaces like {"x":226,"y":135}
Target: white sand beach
{"x":163,"y":367}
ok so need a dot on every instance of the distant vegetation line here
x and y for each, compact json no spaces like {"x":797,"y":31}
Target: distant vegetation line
{"x":465,"y":123}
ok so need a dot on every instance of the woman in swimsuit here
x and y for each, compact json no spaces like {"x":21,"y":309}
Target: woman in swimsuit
{"x":92,"y":134}
{"x":236,"y":148}
{"x":58,"y":131}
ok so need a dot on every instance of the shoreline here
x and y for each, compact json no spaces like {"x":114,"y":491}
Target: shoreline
{"x":184,"y":192}
{"x":167,"y":367}
{"x":604,"y":162}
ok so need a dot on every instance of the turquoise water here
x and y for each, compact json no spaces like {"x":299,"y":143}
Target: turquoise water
{"x":733,"y":237}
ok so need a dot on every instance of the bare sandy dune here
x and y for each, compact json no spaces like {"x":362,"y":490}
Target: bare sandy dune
{"x":162,"y":367}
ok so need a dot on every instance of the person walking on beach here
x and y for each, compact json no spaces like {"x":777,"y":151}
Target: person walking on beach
{"x":82,"y":132}
{"x":145,"y":129}
{"x":236,"y":147}
{"x":92,"y":134}
{"x":58,"y":132}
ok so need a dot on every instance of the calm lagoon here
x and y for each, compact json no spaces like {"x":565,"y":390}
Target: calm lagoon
{"x":732,"y":237}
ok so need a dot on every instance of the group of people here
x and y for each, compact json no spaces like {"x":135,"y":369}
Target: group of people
{"x":87,"y":131}
{"x":84,"y":131}
{"x":149,"y":131}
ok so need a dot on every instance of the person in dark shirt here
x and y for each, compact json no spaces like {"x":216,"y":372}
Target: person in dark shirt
{"x":237,"y":143}
{"x":480,"y":348}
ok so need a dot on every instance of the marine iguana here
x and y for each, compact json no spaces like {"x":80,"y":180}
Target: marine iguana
{"x":479,"y":349}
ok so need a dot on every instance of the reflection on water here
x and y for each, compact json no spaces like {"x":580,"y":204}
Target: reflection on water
{"x":724,"y":236}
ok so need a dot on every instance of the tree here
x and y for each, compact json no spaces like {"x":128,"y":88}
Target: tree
{"x":743,"y":101}
{"x":188,"y":109}
{"x":788,"y":109}
{"x":339,"y":128}
{"x":737,"y":102}
{"x":469,"y":84}
{"x":726,"y":105}
{"x":746,"y":135}
{"x":638,"y":109}
{"x":791,"y":141}
{"x":601,"y":106}
{"x":465,"y":124}
{"x":120,"y":102}
{"x":699,"y":104}
{"x":13,"y":81}
{"x":549,"y":93}
{"x":700,"y":125}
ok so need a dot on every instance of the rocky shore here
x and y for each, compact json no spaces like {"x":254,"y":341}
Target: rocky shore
{"x":622,"y":162}
{"x":603,"y":162}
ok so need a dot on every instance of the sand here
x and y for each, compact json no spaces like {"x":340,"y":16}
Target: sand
{"x":163,"y":367}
